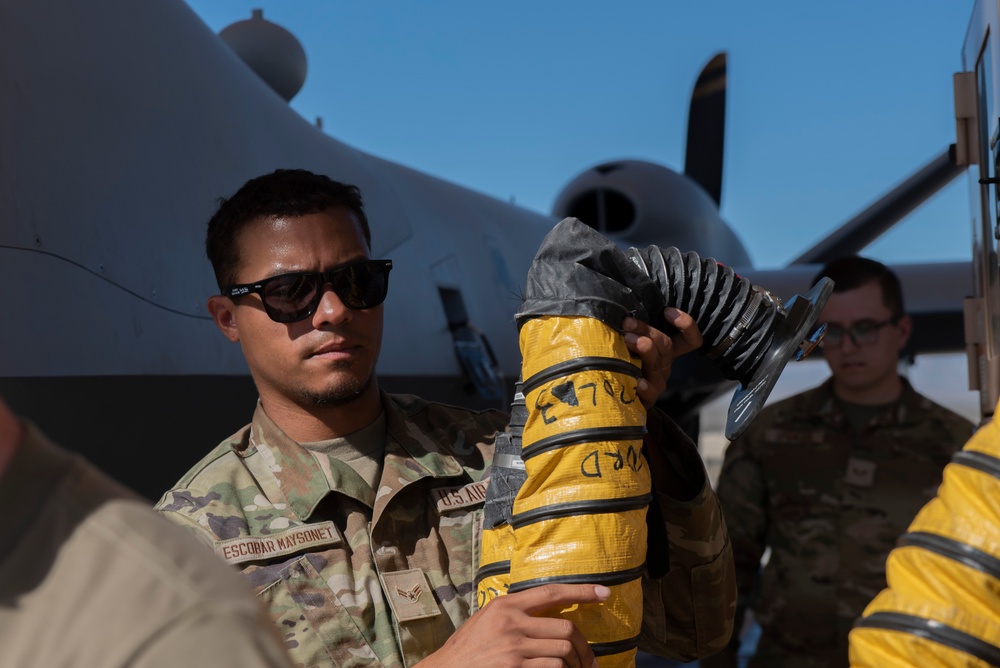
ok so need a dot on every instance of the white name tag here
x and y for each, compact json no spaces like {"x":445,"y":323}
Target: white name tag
{"x":289,"y":541}
{"x":453,"y":498}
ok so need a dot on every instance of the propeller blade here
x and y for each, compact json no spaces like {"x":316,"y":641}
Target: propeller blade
{"x":707,"y":128}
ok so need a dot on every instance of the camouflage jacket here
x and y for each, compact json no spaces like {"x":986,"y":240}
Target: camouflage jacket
{"x":830,"y":502}
{"x":347,"y":590}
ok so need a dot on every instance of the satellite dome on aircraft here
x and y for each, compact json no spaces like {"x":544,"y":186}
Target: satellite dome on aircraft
{"x":269,"y":50}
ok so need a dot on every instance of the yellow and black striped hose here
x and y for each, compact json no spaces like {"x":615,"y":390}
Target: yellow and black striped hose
{"x":580,"y":516}
{"x":942,"y":605}
{"x":568,"y":497}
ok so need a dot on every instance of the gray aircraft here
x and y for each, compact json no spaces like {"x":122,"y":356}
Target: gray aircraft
{"x":105,"y":340}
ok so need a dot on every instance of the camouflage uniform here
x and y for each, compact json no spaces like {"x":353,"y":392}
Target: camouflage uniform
{"x":830,"y":501}
{"x":355,"y":578}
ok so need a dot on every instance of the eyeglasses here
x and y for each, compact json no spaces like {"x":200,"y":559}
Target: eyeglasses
{"x":294,"y":297}
{"x":863,"y":333}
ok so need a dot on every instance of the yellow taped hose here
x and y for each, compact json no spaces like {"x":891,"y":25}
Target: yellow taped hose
{"x":580,"y":517}
{"x":942,"y":606}
{"x":573,"y":484}
{"x":493,"y":576}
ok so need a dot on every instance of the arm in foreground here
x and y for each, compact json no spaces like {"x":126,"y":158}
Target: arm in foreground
{"x":237,"y":639}
{"x":743,"y":495}
{"x":689,"y":591}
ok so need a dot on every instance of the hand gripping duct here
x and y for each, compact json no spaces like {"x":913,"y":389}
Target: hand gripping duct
{"x":570,"y":486}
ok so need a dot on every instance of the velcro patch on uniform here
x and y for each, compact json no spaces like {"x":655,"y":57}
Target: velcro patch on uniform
{"x":790,"y":436}
{"x":453,"y":498}
{"x":296,"y":539}
{"x":860,"y":472}
{"x":410,"y":595}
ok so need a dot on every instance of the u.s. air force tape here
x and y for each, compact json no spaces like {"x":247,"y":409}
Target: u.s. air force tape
{"x":455,"y":498}
{"x":289,"y":541}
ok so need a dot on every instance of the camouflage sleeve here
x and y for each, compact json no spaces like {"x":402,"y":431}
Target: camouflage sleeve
{"x":689,"y":591}
{"x":742,"y":493}
{"x":179,"y":506}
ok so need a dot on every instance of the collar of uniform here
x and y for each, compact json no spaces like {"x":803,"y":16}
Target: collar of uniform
{"x":821,"y":402}
{"x":410,"y":454}
{"x":909,"y":408}
{"x":286,"y":472}
{"x":291,"y":474}
{"x":35,"y":470}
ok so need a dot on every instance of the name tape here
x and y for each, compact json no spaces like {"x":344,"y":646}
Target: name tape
{"x":254,"y":548}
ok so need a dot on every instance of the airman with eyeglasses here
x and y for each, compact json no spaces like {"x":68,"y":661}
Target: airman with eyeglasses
{"x":862,"y":333}
{"x":829,"y":478}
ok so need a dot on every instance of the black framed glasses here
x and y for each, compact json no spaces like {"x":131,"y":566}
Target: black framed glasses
{"x":293,"y":297}
{"x":863,"y":333}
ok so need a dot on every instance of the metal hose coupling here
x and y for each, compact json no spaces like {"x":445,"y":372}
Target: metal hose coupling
{"x":749,"y":333}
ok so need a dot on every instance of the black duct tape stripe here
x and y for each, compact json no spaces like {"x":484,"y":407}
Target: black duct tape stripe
{"x":617,"y":647}
{"x":934,"y":631}
{"x":588,"y":507}
{"x":954,"y":550}
{"x":491,"y":570}
{"x":606,"y":579}
{"x":577,"y":436}
{"x":979,"y":461}
{"x":576,"y":365}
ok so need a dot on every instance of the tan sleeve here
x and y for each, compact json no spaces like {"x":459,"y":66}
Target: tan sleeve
{"x":688,"y":610}
{"x":216,"y":639}
{"x":741,"y":491}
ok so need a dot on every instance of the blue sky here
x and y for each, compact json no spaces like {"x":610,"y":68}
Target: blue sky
{"x":829,"y":104}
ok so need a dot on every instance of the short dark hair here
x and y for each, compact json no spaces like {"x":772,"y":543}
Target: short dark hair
{"x":853,"y":272}
{"x":283,"y":192}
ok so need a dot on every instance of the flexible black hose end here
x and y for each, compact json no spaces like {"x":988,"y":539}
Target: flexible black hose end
{"x":748,"y":335}
{"x":795,"y":335}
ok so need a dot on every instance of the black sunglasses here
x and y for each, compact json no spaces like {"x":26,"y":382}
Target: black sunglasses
{"x":294,"y":297}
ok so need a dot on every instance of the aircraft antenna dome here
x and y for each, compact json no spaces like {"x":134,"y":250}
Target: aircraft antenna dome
{"x":269,"y":50}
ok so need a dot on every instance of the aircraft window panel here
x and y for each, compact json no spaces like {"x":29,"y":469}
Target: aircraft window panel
{"x":454,"y":307}
{"x":472,"y":348}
